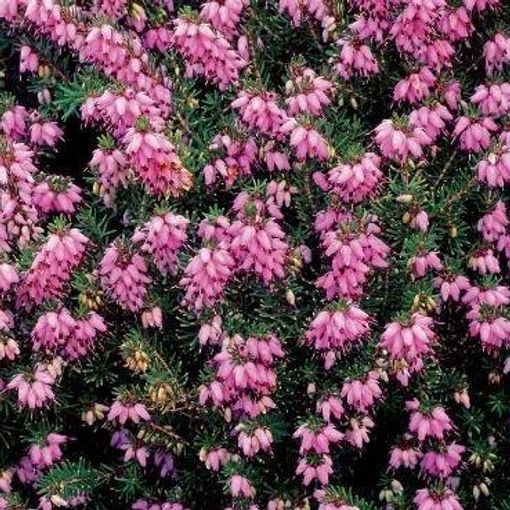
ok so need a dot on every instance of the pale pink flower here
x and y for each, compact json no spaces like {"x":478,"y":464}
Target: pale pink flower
{"x":462,"y":398}
{"x":320,"y":470}
{"x":451,"y":93}
{"x":258,"y":243}
{"x":481,"y":5}
{"x":358,"y":433}
{"x":60,"y":333}
{"x":28,"y":60}
{"x":401,"y":141}
{"x":456,"y":23}
{"x":353,"y":181}
{"x":155,"y":161}
{"x":244,"y":375}
{"x":317,"y":440}
{"x":494,"y":169}
{"x":416,"y":87}
{"x":45,"y":133}
{"x":211,"y":332}
{"x":451,"y":286}
{"x":409,"y":342}
{"x":362,"y":394}
{"x":258,"y":439}
{"x":224,"y":16}
{"x":474,"y":134}
{"x":305,"y":141}
{"x":238,"y":161}
{"x":241,"y":487}
{"x":206,"y":276}
{"x":331,"y":500}
{"x":355,"y":58}
{"x":8,"y":277}
{"x":152,"y":318}
{"x":484,"y":262}
{"x":122,"y":412}
{"x":46,"y":454}
{"x":490,"y":325}
{"x":34,"y":389}
{"x":9,"y":348}
{"x":355,"y":249}
{"x":428,"y":424}
{"x":114,"y":9}
{"x":260,"y":112}
{"x":14,"y":122}
{"x":496,"y":53}
{"x":494,"y":224}
{"x":215,"y":458}
{"x":493,"y":100}
{"x":404,"y":457}
{"x":330,"y":407}
{"x":420,"y":221}
{"x":432,"y":120}
{"x":309,"y":93}
{"x":111,"y":165}
{"x":424,"y":262}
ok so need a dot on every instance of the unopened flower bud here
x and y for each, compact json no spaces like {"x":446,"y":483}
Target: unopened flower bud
{"x":494,"y":378}
{"x":290,"y":297}
{"x":405,"y":199}
{"x":397,"y":487}
{"x":58,"y":500}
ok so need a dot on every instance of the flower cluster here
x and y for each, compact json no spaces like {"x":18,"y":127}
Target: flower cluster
{"x":269,"y":236}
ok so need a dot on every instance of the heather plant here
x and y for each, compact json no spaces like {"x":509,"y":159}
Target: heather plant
{"x":254,"y":255}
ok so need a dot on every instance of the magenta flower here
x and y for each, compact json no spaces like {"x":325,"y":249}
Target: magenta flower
{"x":124,"y":277}
{"x":431,"y":424}
{"x":353,"y":181}
{"x":401,"y":142}
{"x":162,"y":238}
{"x":426,"y":499}
{"x":207,"y":52}
{"x":51,"y":268}
{"x":335,"y":332}
{"x":442,"y":463}
{"x":56,"y":195}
